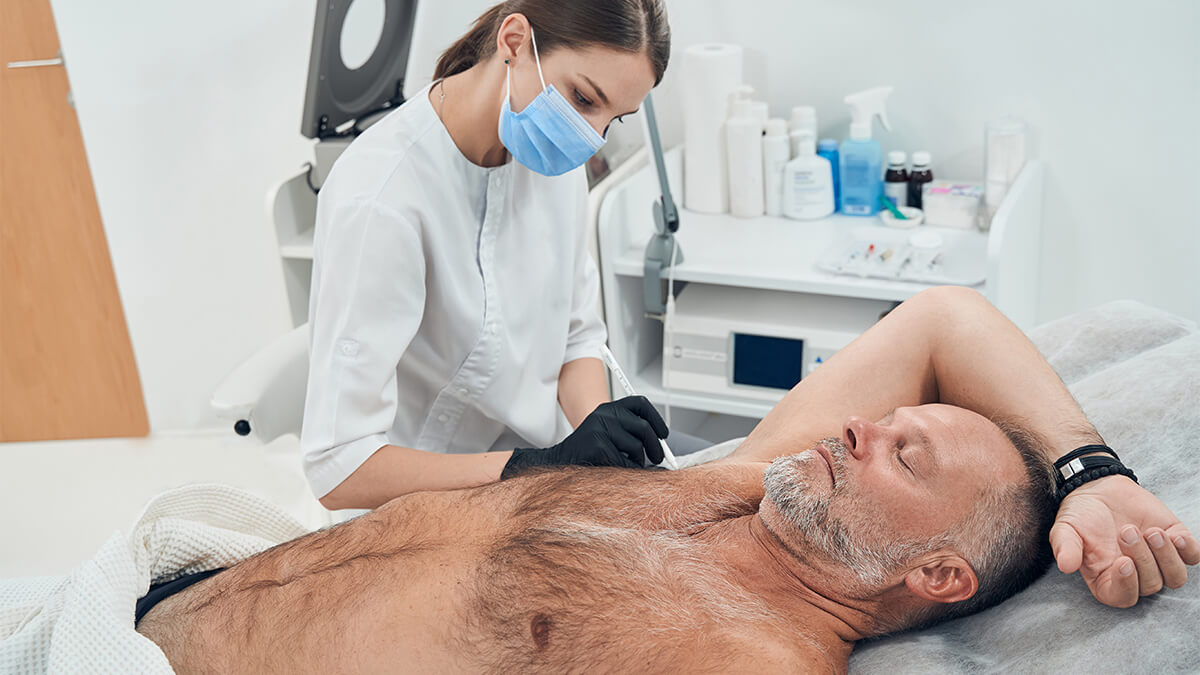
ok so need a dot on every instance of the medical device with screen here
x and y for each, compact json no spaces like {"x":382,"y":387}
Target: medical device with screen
{"x":754,"y":343}
{"x":764,"y":361}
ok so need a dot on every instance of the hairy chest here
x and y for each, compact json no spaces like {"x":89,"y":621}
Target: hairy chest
{"x":570,"y":595}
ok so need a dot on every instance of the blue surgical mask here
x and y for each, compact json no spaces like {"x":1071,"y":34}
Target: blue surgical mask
{"x":549,"y":136}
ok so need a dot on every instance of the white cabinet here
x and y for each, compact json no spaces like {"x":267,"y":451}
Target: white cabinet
{"x":776,"y":255}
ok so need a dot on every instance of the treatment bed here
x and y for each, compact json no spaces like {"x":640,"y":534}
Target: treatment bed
{"x":1134,"y":370}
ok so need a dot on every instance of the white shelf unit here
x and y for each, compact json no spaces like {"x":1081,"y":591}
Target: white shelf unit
{"x":780,"y":255}
{"x":292,"y":209}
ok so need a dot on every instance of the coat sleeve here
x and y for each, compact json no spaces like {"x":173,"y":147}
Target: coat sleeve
{"x":368,"y":297}
{"x":586,"y":331}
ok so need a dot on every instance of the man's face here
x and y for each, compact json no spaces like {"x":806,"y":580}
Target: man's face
{"x":887,"y":491}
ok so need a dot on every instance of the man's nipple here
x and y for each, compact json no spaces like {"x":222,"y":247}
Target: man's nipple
{"x":539,"y":628}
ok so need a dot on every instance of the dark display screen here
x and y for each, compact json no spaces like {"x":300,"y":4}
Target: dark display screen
{"x":764,"y":361}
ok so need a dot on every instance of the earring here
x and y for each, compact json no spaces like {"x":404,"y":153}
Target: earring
{"x":506,"y":62}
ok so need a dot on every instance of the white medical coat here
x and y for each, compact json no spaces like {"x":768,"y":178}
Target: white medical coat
{"x":446,"y":297}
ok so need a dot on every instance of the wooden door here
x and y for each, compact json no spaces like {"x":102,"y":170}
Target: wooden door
{"x":66,"y":363}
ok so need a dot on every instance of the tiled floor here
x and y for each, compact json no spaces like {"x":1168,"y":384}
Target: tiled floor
{"x":61,"y":500}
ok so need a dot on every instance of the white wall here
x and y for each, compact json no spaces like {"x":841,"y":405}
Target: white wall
{"x":191,"y":111}
{"x":1111,"y":91}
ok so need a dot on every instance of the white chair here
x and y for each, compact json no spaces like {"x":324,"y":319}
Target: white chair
{"x":264,"y":396}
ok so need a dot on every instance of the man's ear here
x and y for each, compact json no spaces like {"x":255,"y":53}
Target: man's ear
{"x":947,"y":578}
{"x":513,"y":34}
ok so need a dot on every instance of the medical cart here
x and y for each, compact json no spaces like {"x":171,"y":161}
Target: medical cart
{"x":754,"y":310}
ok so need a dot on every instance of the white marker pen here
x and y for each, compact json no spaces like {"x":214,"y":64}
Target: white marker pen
{"x":611,"y":362}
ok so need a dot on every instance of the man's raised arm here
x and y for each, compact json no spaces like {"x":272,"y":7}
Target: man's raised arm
{"x":949,"y":345}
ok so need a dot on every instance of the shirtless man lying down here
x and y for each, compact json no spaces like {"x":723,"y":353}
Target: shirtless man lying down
{"x":877,"y":496}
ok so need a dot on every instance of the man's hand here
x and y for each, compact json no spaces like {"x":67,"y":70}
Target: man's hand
{"x":1125,"y":542}
{"x":621,"y":433}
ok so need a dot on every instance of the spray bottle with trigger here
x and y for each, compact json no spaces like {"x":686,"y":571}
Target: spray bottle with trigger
{"x":861,"y":157}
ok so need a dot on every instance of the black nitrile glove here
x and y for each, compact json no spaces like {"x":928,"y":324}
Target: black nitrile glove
{"x":620,"y":433}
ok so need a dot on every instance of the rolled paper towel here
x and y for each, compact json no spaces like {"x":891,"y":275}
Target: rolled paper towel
{"x":711,"y":74}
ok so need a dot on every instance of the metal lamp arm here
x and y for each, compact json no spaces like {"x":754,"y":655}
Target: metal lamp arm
{"x":662,"y":243}
{"x":670,"y":215}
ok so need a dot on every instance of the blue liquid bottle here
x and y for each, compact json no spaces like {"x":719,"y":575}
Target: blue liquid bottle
{"x":828,"y":149}
{"x":862,"y":176}
{"x":860,"y":157}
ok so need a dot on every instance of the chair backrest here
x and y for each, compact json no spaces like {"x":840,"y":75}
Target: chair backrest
{"x":267,"y":391}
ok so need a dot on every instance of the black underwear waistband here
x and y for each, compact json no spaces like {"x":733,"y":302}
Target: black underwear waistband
{"x":164,"y":590}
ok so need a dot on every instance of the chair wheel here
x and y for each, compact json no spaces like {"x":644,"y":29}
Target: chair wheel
{"x":242,"y":427}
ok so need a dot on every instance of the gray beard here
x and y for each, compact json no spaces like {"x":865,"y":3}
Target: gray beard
{"x":863,"y":546}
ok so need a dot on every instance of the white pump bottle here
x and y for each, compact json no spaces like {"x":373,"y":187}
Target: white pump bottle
{"x":808,"y":182}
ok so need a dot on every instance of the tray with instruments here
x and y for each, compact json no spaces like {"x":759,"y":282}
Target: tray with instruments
{"x":932,"y":255}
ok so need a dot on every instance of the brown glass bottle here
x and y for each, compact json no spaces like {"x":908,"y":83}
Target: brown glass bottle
{"x":918,"y":177}
{"x":895,"y":180}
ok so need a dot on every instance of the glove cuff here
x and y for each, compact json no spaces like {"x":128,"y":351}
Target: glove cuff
{"x":521,"y":460}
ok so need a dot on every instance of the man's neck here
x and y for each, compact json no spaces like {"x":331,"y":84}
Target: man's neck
{"x":800,"y":591}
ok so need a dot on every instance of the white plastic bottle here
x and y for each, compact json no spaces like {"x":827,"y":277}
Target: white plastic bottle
{"x":762,"y":112}
{"x":804,"y":118}
{"x":743,"y":135}
{"x":777,"y":152}
{"x":808,"y":183}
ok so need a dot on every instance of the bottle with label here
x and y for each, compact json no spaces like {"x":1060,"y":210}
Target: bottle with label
{"x":828,"y":149}
{"x":861,"y":156}
{"x":808,"y":183}
{"x":895,"y":181}
{"x":744,"y":142}
{"x":777,"y":152}
{"x":921,"y":174}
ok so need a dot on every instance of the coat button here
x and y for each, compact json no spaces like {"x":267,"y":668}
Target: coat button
{"x":443,"y":418}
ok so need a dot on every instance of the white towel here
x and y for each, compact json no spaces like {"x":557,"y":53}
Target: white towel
{"x":84,"y":622}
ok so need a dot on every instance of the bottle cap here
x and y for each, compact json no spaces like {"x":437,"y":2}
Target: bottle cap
{"x":860,"y":131}
{"x":827,"y":144}
{"x":743,"y":109}
{"x":804,"y":115}
{"x":897,"y":157}
{"x":777,"y":127}
{"x":921,"y":158}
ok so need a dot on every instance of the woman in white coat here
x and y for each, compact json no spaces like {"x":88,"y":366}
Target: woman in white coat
{"x":454,"y":303}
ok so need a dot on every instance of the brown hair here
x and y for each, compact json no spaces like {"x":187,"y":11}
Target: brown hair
{"x":626,"y":25}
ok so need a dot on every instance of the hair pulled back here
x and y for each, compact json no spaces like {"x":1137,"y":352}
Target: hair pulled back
{"x":635,"y":26}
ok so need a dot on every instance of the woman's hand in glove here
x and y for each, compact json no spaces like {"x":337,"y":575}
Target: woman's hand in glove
{"x":620,"y":433}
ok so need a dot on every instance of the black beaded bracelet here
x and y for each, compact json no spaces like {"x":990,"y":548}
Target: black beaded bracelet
{"x":1079,"y":471}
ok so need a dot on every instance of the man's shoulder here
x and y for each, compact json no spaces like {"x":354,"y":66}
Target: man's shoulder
{"x":771,"y":653}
